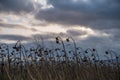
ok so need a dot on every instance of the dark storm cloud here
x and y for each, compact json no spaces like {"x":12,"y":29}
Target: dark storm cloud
{"x":14,"y":37}
{"x":102,"y":8}
{"x":16,"y":6}
{"x":97,"y":14}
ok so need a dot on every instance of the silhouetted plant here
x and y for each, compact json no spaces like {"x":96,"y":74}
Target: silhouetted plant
{"x":59,"y":63}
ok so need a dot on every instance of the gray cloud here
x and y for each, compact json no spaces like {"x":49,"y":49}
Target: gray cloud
{"x":1,"y":20}
{"x":15,"y":26}
{"x":14,"y":37}
{"x":114,"y":34}
{"x":103,"y":8}
{"x":75,"y":32}
{"x":16,"y":6}
{"x":97,"y":14}
{"x":33,"y":29}
{"x":0,"y":29}
{"x":38,"y":24}
{"x":8,"y":25}
{"x":45,"y":36}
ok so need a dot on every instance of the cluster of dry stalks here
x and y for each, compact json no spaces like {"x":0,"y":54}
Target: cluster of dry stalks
{"x":41,"y":63}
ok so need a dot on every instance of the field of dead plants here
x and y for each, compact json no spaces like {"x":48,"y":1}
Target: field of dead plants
{"x":57,"y":63}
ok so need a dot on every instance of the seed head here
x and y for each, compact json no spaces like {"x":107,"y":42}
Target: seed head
{"x":92,"y":55}
{"x":36,"y":52}
{"x":0,"y":47}
{"x":93,"y":59}
{"x":14,"y":47}
{"x":86,"y":51}
{"x":94,"y":49}
{"x":57,"y":41}
{"x":117,"y":57}
{"x":57,"y":38}
{"x":67,"y":40}
{"x":106,"y":52}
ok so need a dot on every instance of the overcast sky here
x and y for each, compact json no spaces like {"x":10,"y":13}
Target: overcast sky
{"x":92,"y":23}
